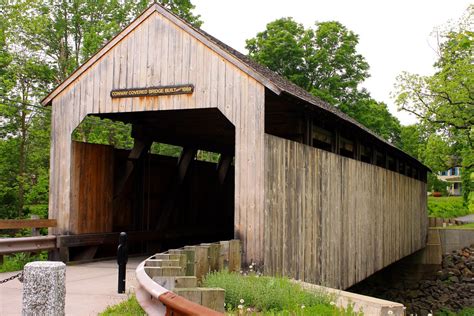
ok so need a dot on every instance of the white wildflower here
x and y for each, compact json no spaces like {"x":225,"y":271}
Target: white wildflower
{"x":249,"y":310}
{"x":302,"y":306}
{"x":430,"y":314}
{"x":242,"y":301}
{"x":332,"y":303}
{"x":390,"y":312}
{"x":240,"y":306}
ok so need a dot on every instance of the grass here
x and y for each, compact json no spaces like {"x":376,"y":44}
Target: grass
{"x":262,"y":295}
{"x":469,"y":311}
{"x":446,"y":207}
{"x":129,"y":307}
{"x":17,"y":261}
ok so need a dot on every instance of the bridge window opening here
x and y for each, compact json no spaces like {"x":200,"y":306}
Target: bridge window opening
{"x":379,"y":159}
{"x":166,"y":178}
{"x":299,"y":122}
{"x":323,"y":139}
{"x":346,"y":148}
{"x":365,"y":153}
{"x":391,"y":163}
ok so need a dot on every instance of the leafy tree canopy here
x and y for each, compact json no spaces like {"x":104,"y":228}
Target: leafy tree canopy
{"x":41,"y":43}
{"x":324,"y":61}
{"x":444,"y":101}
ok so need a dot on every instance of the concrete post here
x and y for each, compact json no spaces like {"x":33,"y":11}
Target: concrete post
{"x":44,"y":288}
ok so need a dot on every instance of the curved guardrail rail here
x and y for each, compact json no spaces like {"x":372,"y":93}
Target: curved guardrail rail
{"x":167,"y":282}
{"x":158,"y":301}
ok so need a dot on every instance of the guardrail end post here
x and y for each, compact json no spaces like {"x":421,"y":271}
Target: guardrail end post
{"x":44,"y":288}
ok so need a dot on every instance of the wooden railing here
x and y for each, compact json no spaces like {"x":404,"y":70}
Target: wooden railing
{"x":26,"y":223}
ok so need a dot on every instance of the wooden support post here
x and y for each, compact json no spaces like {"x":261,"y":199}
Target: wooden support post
{"x":224,"y":255}
{"x":202,"y":262}
{"x":373,"y":159}
{"x":213,"y":255}
{"x":308,"y":129}
{"x":184,"y":161}
{"x":190,"y":261}
{"x":34,"y":230}
{"x":223,"y":167}
{"x":235,"y":255}
{"x":336,"y":142}
{"x":140,"y":148}
{"x":357,"y":149}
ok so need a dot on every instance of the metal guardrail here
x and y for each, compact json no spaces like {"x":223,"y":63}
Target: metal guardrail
{"x":159,"y":301}
{"x":27,"y":244}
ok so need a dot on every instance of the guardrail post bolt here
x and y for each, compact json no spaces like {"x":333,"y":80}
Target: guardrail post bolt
{"x":122,"y":258}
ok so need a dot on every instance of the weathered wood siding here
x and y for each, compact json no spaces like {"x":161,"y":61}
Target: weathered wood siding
{"x":157,"y":51}
{"x":92,"y":188}
{"x":334,"y":221}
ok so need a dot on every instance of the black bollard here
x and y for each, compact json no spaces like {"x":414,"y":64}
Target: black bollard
{"x":122,"y":258}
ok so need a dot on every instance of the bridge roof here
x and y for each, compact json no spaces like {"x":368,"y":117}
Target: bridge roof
{"x":270,"y":79}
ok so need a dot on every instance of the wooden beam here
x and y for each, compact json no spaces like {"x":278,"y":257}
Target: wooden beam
{"x":184,"y":161}
{"x":27,"y":223}
{"x":97,"y":239}
{"x":336,"y":142}
{"x":187,"y":155}
{"x":357,"y":149}
{"x":140,"y":148}
{"x":223,"y":167}
{"x":308,"y":129}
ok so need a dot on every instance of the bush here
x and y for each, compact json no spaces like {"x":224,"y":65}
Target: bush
{"x":446,"y":207}
{"x":271,"y":295}
{"x":436,"y":185}
{"x":17,"y":261}
{"x":129,"y":307}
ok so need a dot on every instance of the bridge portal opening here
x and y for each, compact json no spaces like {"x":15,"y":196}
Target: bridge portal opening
{"x":173,"y":186}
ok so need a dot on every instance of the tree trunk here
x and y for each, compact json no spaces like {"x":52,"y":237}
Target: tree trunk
{"x":22,"y":159}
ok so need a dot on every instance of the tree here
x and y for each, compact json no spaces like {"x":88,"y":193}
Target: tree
{"x":411,"y":140}
{"x":41,"y":43}
{"x":325,"y":62}
{"x":444,"y":102}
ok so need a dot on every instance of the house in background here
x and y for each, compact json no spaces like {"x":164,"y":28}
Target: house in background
{"x":453,"y":178}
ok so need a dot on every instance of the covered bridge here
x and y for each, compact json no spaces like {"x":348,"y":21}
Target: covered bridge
{"x":311,"y":193}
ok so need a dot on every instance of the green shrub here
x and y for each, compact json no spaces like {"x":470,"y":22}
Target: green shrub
{"x":129,"y":307}
{"x":17,"y":261}
{"x":446,"y":207}
{"x":469,"y":311}
{"x":272,"y":295}
{"x":436,"y":185}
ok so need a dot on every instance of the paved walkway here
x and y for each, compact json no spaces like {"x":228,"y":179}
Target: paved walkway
{"x":90,"y":288}
{"x":468,"y":218}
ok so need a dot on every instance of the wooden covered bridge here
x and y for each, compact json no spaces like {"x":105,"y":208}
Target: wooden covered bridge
{"x":310,"y":192}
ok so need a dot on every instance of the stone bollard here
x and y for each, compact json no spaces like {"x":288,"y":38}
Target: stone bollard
{"x":44,"y":288}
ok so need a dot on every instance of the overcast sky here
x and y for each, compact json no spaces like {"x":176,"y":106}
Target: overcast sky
{"x":394,"y":36}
